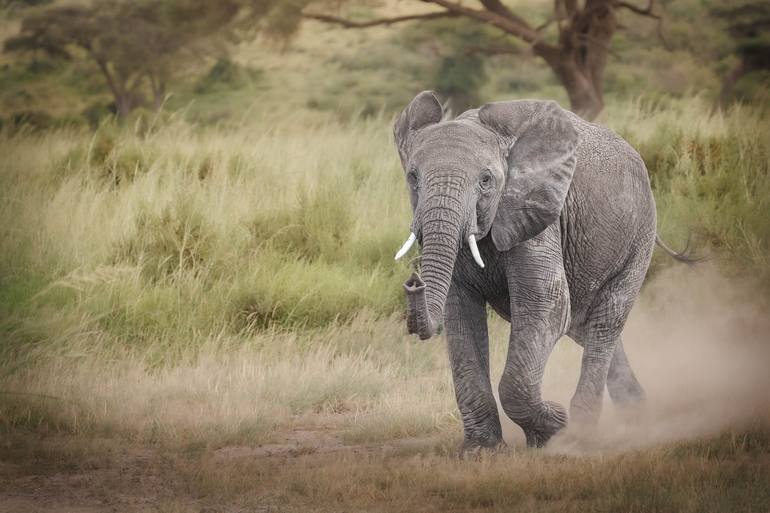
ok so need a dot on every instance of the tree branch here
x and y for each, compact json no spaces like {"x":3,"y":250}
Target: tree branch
{"x":497,"y":7}
{"x":638,"y":10}
{"x":104,"y":67}
{"x":509,"y":23}
{"x":571,"y":6}
{"x":495,"y":14}
{"x":545,"y":24}
{"x":380,"y":21}
{"x":646,"y":12}
{"x":564,"y":9}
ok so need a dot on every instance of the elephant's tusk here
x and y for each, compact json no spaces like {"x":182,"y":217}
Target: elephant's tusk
{"x":406,"y":246}
{"x":475,"y":250}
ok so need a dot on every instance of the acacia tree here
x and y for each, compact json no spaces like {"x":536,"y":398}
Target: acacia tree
{"x":137,"y":46}
{"x":576,"y":51}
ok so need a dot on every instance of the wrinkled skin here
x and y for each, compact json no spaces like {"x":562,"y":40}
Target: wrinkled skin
{"x":565,"y":222}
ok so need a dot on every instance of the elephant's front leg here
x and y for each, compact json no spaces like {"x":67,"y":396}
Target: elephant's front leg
{"x":539,"y":316}
{"x":468,"y":345}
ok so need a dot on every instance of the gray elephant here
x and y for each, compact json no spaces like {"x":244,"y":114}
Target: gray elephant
{"x":547,"y":218}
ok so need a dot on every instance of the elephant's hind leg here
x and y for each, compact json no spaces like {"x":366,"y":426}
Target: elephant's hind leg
{"x":586,"y":404}
{"x":622,"y":384}
{"x":602,"y":349}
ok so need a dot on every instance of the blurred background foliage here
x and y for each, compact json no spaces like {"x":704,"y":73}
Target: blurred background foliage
{"x":78,"y":62}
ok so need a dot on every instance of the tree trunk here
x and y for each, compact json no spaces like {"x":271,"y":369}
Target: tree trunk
{"x":728,"y":83}
{"x":584,"y":88}
{"x":122,"y":101}
{"x":123,"y":105}
{"x":585,"y":96}
{"x":580,"y":57}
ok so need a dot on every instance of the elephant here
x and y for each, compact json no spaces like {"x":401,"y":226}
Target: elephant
{"x":548,"y":219}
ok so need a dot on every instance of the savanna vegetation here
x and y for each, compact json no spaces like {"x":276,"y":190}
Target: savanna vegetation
{"x":200,"y":310}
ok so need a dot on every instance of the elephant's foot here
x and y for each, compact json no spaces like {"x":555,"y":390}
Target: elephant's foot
{"x":470,"y":450}
{"x":545,"y":424}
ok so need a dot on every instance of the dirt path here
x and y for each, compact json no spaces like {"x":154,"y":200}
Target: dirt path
{"x":62,"y":475}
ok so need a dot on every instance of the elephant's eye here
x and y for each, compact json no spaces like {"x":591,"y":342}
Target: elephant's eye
{"x":486,"y":180}
{"x":411,"y":177}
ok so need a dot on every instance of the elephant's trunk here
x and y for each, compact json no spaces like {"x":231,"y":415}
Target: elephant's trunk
{"x":426,"y":294}
{"x":418,"y":321}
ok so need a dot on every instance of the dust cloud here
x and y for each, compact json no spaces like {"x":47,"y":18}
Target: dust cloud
{"x":699,"y":343}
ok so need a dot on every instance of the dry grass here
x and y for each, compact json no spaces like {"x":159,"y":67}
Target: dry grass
{"x":718,"y":474}
{"x":728,"y":473}
{"x":236,"y":391}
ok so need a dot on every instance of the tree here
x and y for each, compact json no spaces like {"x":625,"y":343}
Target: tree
{"x":576,"y":51}
{"x":749,"y":26}
{"x":137,"y":46}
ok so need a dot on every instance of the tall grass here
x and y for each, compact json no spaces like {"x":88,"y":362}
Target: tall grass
{"x":240,"y":229}
{"x":234,"y":391}
{"x":217,"y":282}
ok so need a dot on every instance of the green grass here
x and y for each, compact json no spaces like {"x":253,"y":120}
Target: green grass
{"x":247,"y":228}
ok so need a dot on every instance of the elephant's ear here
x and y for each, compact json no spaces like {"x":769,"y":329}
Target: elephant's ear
{"x":541,"y":142}
{"x":423,"y":110}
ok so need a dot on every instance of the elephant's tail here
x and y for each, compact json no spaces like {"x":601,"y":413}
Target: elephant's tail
{"x":685,"y":256}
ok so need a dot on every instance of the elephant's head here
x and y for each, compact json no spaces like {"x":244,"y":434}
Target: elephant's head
{"x":504,"y":169}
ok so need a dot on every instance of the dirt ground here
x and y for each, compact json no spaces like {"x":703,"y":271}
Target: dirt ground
{"x":63,"y":475}
{"x":315,"y":470}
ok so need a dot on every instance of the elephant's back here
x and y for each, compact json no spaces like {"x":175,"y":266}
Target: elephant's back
{"x":608,"y":221}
